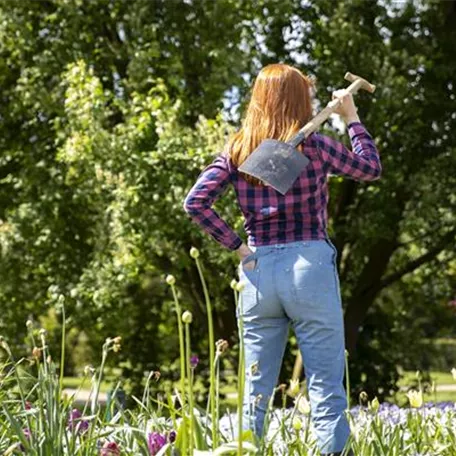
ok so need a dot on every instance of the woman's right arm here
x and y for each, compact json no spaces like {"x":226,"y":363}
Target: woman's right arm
{"x":362,"y":163}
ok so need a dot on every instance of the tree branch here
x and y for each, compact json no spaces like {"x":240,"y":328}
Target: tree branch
{"x":388,"y":280}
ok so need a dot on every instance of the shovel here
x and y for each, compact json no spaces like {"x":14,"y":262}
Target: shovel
{"x":278,"y":164}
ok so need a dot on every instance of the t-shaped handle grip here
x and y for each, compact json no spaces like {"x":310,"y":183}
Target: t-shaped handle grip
{"x":358,"y":83}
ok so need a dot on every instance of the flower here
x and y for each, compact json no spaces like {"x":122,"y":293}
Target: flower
{"x":172,"y":436}
{"x":187,"y":317}
{"x":36,"y":352}
{"x":374,"y":405}
{"x":303,"y":405}
{"x":75,"y":423}
{"x":363,"y":397}
{"x":453,"y":373}
{"x":415,"y":398}
{"x":28,"y":405}
{"x":233,"y":284}
{"x":194,"y":360}
{"x":240,"y":286}
{"x":170,"y":280}
{"x":89,"y":370}
{"x":297,"y":424}
{"x":29,"y":324}
{"x":155,"y":442}
{"x":110,"y":449}
{"x":294,"y":387}
{"x":221,"y":346}
{"x":194,"y":253}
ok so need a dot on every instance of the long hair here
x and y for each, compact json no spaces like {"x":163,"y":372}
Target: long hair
{"x":279,"y":106}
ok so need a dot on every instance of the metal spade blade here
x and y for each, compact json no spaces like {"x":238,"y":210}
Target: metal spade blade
{"x":276,"y":163}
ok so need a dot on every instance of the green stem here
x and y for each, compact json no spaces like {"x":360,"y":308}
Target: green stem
{"x":241,"y":377}
{"x":181,"y":345}
{"x":347,"y":379}
{"x":217,"y":388}
{"x":211,"y":355}
{"x":62,"y":357}
{"x":190,"y":386}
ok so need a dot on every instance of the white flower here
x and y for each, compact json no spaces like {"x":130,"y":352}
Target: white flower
{"x":170,"y":280}
{"x":194,"y":253}
{"x":303,"y":405}
{"x":240,"y":286}
{"x":415,"y":398}
{"x":374,"y":405}
{"x":187,"y":317}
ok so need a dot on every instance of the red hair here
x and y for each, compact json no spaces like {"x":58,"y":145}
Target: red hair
{"x":279,"y":106}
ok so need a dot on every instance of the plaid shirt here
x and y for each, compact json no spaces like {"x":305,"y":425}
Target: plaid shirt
{"x":300,"y":214}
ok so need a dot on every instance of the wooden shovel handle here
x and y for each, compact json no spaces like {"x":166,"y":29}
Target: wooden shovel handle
{"x":314,"y":124}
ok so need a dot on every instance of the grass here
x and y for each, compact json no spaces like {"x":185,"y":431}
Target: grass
{"x":84,"y":383}
{"x":439,"y":378}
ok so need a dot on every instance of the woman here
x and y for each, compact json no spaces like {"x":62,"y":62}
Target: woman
{"x":289,"y":264}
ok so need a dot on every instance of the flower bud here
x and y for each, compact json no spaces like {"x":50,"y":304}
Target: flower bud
{"x":363,"y":397}
{"x":294,"y":388}
{"x":297,"y":424}
{"x":453,"y":373}
{"x":233,"y":284}
{"x":415,"y":398}
{"x":240,"y":286}
{"x":374,"y":405}
{"x":42,"y":332}
{"x":170,"y":280}
{"x":221,"y":346}
{"x":303,"y":405}
{"x":29,"y":324}
{"x":194,"y":360}
{"x":187,"y":317}
{"x":194,"y":253}
{"x":88,"y":370}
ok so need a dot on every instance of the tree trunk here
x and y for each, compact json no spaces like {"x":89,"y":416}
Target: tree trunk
{"x":367,"y":290}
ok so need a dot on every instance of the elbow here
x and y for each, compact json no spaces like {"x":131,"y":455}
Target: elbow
{"x":378,"y":171}
{"x":191,"y":206}
{"x":375,"y":173}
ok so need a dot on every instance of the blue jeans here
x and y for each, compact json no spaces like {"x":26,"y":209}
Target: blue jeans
{"x":295,"y":283}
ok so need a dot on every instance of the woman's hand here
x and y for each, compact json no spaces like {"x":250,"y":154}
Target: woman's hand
{"x":244,"y":251}
{"x":346,"y":109}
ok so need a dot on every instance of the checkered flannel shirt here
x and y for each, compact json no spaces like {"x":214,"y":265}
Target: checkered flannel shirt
{"x":300,"y":214}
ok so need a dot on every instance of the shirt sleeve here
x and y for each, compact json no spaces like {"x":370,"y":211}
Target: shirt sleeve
{"x":362,"y":163}
{"x":198,"y":203}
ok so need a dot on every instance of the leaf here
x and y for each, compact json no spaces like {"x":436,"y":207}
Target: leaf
{"x":200,"y":442}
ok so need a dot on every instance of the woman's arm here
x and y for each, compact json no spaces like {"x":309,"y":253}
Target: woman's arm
{"x":198,"y":204}
{"x":363,"y":162}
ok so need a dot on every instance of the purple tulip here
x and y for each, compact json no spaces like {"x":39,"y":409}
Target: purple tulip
{"x":75,"y":423}
{"x":172,"y":436}
{"x":155,"y":442}
{"x":194,"y":360}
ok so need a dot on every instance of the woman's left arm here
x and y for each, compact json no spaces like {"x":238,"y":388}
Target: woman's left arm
{"x":198,"y":204}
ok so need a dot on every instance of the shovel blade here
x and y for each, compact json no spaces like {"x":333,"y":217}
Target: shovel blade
{"x":276,"y":163}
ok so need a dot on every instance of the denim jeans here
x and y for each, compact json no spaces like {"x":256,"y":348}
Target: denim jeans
{"x":295,"y":283}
